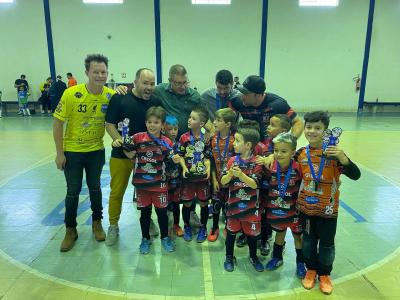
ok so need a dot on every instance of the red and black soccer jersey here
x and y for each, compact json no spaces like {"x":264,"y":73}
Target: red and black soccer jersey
{"x":222,"y":151}
{"x":281,"y":210}
{"x":269,"y":145}
{"x":243,"y":202}
{"x":261,"y":149}
{"x":151,"y":157}
{"x":194,"y":150}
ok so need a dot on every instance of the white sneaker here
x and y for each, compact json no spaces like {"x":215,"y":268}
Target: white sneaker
{"x":153,"y":229}
{"x":194,"y":219}
{"x":112,"y":235}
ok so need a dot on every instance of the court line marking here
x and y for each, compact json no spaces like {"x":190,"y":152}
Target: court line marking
{"x":39,"y":163}
{"x":88,"y":288}
{"x":207,"y":273}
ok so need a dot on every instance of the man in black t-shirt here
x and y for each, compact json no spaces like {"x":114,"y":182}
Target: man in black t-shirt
{"x":131,"y":107}
{"x":21,"y":82}
{"x":259,"y":106}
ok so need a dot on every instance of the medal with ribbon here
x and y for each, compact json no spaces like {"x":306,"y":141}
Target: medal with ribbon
{"x":283,"y":187}
{"x":316,"y":178}
{"x":222,"y":158}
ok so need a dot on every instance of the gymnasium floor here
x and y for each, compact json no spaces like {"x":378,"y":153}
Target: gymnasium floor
{"x":367,"y":264}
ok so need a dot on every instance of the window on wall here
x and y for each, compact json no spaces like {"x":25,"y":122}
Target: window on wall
{"x":318,"y":2}
{"x":104,"y":1}
{"x":6,"y":1}
{"x":211,"y":1}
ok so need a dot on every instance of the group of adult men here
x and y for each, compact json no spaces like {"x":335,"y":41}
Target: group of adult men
{"x":87,"y":106}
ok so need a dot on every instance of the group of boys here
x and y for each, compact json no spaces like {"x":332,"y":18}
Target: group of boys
{"x":255,"y":177}
{"x":252,"y":180}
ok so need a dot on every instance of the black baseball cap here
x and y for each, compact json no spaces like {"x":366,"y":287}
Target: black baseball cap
{"x":252,"y":84}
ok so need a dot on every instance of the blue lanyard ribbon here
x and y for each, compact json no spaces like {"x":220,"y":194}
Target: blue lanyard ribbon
{"x":283,"y":187}
{"x":159,"y":141}
{"x":192,"y":139}
{"x":320,"y":168}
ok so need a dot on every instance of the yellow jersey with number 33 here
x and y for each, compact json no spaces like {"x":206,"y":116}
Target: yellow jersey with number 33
{"x":84,"y":114}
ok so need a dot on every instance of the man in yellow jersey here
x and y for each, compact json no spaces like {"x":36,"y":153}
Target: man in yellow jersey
{"x":83,"y":107}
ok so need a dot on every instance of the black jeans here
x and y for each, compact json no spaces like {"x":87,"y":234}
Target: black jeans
{"x":319,"y":243}
{"x":92,"y":163}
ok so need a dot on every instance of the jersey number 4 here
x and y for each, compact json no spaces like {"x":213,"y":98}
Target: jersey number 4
{"x":82,"y":108}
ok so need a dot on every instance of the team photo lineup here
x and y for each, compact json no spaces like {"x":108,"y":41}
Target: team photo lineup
{"x":231,"y":149}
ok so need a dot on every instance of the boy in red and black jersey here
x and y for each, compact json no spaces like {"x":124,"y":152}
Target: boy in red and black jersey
{"x":173,"y":174}
{"x":277,"y":124}
{"x":243,"y":213}
{"x":284,"y":179}
{"x":222,"y":151}
{"x":152,"y":152}
{"x":194,"y":150}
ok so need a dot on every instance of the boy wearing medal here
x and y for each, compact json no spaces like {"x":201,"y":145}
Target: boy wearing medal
{"x":222,"y":151}
{"x":318,"y":200}
{"x":277,"y":124}
{"x":194,"y":152}
{"x":284,"y":179}
{"x":173,"y":172}
{"x":152,"y":151}
{"x":243,"y":213}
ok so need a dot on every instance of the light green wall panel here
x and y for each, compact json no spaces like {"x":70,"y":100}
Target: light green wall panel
{"x":383,"y":76}
{"x":23,"y":46}
{"x":80,"y":29}
{"x":207,"y":38}
{"x":314,"y":52}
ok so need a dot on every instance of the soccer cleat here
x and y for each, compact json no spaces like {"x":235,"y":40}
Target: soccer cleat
{"x":112,"y":235}
{"x":168,"y":244}
{"x":187,"y":233}
{"x":274,"y":264}
{"x":325,"y":284}
{"x":201,"y":235}
{"x":144,"y":247}
{"x":213,"y":235}
{"x":153,"y":229}
{"x":241,"y":241}
{"x":301,"y":270}
{"x":178,"y":230}
{"x":258,"y":266}
{"x":229,"y":263}
{"x":308,"y":281}
{"x":194,"y":220}
{"x":265,"y":248}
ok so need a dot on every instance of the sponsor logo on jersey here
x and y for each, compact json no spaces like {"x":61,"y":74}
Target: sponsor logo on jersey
{"x":78,"y":95}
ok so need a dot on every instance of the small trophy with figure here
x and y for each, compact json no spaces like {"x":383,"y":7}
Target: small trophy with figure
{"x":331,"y":137}
{"x":123,"y":127}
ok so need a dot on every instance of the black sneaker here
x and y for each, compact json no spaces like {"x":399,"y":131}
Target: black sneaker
{"x":241,"y":241}
{"x":265,"y":248}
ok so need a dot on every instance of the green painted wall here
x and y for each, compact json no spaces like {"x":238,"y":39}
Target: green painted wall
{"x":314,"y":52}
{"x":23,"y":46}
{"x":383,"y":77}
{"x":80,"y":29}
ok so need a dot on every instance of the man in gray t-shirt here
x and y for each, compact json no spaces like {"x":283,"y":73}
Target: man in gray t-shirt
{"x":219,"y":96}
